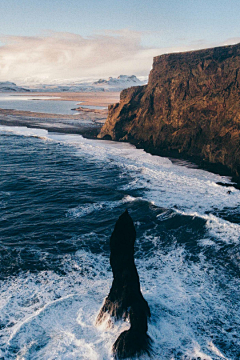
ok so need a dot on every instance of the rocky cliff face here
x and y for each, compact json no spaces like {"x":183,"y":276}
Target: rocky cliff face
{"x":190,"y":106}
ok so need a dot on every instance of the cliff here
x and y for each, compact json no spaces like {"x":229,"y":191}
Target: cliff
{"x":190,"y":107}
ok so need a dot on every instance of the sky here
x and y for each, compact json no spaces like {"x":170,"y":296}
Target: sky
{"x":47,"y":40}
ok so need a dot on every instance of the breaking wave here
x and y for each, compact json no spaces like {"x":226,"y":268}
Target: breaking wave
{"x":60,"y":196}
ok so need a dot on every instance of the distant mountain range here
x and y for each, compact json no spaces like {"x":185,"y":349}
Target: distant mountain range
{"x":8,"y":86}
{"x":111,"y":84}
{"x":121,"y":81}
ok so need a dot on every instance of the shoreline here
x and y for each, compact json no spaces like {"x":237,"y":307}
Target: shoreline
{"x":68,"y":124}
{"x":88,"y":123}
{"x":103,"y":98}
{"x":191,"y":161}
{"x":91,"y":132}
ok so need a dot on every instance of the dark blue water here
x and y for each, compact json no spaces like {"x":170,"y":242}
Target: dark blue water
{"x":60,"y":197}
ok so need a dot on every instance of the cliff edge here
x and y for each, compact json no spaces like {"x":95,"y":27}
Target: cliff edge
{"x":190,"y":106}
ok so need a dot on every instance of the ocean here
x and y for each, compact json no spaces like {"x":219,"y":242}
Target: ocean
{"x":60,"y":197}
{"x":39,"y":104}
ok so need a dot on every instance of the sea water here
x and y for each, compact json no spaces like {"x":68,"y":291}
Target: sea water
{"x":39,"y":104}
{"x":60,"y":197}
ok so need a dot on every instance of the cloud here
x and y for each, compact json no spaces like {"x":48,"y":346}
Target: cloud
{"x":68,"y":56}
{"x":57,"y":55}
{"x":231,"y":41}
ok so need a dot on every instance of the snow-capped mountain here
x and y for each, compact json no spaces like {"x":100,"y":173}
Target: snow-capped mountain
{"x":111,"y":84}
{"x":122,"y":81}
{"x":8,"y":86}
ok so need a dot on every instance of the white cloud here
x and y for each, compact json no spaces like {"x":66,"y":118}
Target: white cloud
{"x":70,"y":56}
{"x":66,"y":56}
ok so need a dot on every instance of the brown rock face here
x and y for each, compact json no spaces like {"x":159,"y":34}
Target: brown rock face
{"x":191,"y":106}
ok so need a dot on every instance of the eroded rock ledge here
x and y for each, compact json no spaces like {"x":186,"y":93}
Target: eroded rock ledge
{"x":191,"y":106}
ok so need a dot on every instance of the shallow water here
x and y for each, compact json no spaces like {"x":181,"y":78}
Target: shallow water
{"x":39,"y":104}
{"x":93,"y":107}
{"x":60,"y":197}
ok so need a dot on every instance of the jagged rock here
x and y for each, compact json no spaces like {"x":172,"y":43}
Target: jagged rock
{"x":191,"y":107}
{"x":125,"y":298}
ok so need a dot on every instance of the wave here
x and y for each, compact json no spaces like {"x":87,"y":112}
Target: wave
{"x":167,"y":185}
{"x":48,"y":316}
{"x":183,"y":253}
{"x":187,"y":190}
{"x":24,"y":131}
{"x":217,"y":228}
{"x":87,"y":209}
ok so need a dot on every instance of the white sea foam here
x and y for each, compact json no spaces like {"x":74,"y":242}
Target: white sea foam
{"x":216,"y":350}
{"x":49,"y":316}
{"x":24,"y":131}
{"x":189,"y":190}
{"x":197,"y":353}
{"x":218,"y":228}
{"x":166,"y":184}
{"x":88,"y":208}
{"x":56,"y":314}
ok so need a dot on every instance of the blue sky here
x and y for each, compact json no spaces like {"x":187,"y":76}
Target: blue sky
{"x":163,"y":24}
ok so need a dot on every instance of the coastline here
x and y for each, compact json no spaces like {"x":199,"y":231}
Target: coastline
{"x":88,"y":123}
{"x":88,"y":98}
{"x":190,"y":107}
{"x":69,"y":124}
{"x":192,"y":161}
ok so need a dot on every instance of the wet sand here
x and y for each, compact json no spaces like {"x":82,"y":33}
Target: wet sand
{"x":86,"y":122}
{"x":100,"y":98}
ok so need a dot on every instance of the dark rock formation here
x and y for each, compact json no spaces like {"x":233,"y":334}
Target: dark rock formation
{"x":125,"y":298}
{"x":191,"y":106}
